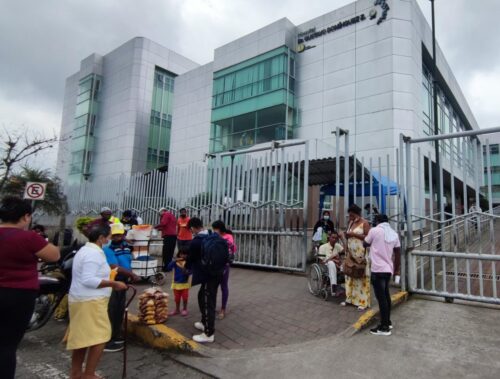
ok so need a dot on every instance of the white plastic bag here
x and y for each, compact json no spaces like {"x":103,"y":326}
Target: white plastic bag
{"x":318,"y":236}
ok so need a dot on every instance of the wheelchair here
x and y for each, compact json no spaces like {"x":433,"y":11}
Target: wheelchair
{"x":319,"y":280}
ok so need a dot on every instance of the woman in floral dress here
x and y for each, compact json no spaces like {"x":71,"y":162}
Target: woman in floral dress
{"x":357,"y":290}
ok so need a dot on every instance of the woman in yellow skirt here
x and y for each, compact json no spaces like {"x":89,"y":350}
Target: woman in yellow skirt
{"x":357,"y":290}
{"x":89,"y":326}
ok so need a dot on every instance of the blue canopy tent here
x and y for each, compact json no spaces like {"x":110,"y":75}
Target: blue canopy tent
{"x":381,"y":187}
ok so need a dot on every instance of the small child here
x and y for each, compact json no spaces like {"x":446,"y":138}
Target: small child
{"x":180,"y":282}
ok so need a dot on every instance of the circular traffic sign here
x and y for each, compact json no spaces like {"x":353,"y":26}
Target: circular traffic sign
{"x":35,"y":191}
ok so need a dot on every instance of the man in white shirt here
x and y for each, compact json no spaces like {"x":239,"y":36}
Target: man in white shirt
{"x":330,"y":254}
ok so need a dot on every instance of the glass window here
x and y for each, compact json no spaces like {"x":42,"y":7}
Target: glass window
{"x":271,"y":116}
{"x":160,"y":119}
{"x":246,"y":130}
{"x":244,"y":122}
{"x":76,"y":162}
{"x":258,"y":78}
{"x":82,"y":108}
{"x":82,"y":97}
{"x":85,"y":85}
{"x":81,"y":121}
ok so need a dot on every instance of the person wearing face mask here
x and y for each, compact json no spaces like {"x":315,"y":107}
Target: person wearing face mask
{"x":326,"y":224}
{"x":89,"y":326}
{"x":184,"y":235}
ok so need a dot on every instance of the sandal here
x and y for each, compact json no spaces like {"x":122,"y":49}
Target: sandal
{"x":221,"y":315}
{"x":173,"y":313}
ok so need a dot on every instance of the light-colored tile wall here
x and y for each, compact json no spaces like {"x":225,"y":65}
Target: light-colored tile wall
{"x":191,"y":116}
{"x":125,"y":104}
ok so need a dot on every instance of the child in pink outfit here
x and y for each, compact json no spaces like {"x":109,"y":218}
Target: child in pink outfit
{"x":220,"y":228}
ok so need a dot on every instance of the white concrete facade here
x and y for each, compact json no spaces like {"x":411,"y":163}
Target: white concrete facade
{"x":125,"y":98}
{"x":365,"y":78}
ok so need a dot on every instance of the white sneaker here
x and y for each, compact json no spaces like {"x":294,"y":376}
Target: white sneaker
{"x":198,"y":325}
{"x":203,"y":338}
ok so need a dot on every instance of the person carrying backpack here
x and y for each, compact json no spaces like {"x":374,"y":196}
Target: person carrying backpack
{"x":220,"y":228}
{"x":207,"y":258}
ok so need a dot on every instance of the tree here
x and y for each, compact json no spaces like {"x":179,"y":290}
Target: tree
{"x":16,"y":147}
{"x":54,"y":202}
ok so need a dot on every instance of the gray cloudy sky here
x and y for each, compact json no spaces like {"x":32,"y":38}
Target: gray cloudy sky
{"x":42,"y":42}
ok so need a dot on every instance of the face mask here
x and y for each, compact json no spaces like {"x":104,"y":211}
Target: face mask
{"x":326,"y":217}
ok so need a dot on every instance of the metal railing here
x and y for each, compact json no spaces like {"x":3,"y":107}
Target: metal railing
{"x":260,"y":193}
{"x":451,"y":255}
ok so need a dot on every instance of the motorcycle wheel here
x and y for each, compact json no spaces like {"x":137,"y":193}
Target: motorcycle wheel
{"x":44,"y":308}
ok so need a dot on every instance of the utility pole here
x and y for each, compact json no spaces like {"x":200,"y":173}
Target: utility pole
{"x":437,"y":166}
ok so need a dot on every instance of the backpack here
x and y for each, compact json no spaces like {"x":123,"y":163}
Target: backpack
{"x":214,"y":254}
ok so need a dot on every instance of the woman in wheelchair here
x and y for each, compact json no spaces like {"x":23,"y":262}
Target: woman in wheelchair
{"x":329,"y":254}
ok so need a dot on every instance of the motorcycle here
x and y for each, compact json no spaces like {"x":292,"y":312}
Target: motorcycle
{"x":54,"y":281}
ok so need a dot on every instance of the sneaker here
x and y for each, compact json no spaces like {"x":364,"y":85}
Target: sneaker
{"x":173,"y":313}
{"x":379,"y":331}
{"x":119,"y":341}
{"x":112,"y":347}
{"x":198,"y":325}
{"x":184,"y":313}
{"x":203,"y":338}
{"x":390,"y":325}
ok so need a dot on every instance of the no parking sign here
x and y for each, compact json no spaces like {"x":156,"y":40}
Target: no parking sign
{"x":35,"y":191}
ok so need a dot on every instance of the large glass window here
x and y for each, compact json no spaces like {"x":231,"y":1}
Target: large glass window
{"x":263,"y":76}
{"x":160,"y":120}
{"x":248,"y":129}
{"x":85,"y":123}
{"x":253,"y":101}
{"x":448,"y":122}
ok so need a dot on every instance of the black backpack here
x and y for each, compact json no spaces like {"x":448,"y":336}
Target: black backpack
{"x":214,"y":254}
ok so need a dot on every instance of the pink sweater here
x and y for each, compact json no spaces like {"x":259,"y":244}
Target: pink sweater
{"x":230,"y":243}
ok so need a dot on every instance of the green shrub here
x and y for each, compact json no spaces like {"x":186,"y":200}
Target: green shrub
{"x":82,"y":222}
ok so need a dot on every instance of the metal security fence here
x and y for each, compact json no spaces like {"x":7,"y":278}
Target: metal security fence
{"x":451,"y":244}
{"x":144,"y":194}
{"x":261,"y":193}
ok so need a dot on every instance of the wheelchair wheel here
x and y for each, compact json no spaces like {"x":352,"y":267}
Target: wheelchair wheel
{"x":315,"y":280}
{"x":324,"y":294}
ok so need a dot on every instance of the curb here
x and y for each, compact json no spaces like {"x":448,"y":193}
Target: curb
{"x":369,"y":315}
{"x":161,"y":337}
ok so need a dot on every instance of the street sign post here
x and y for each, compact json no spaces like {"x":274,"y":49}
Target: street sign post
{"x":35,"y":191}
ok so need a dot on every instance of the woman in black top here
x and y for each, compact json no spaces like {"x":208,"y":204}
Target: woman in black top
{"x":326,"y":223}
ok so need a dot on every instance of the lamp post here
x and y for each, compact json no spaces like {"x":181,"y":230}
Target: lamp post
{"x":437,"y":166}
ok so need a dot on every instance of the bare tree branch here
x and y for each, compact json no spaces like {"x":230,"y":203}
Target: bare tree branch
{"x":16,"y":147}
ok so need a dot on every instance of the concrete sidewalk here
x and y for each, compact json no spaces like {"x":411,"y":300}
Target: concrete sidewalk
{"x":430,"y":340}
{"x":266,"y":309}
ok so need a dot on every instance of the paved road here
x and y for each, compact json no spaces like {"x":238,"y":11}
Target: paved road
{"x":267,"y":309}
{"x":41,"y":355}
{"x":430,"y":340}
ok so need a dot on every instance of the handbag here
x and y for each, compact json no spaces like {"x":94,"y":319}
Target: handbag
{"x":354,"y":267}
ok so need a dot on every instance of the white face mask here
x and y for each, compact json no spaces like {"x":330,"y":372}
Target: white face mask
{"x":326,"y":217}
